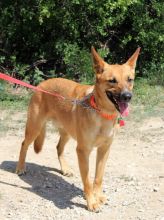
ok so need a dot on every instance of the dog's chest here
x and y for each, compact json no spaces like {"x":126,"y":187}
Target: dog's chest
{"x":103,"y":134}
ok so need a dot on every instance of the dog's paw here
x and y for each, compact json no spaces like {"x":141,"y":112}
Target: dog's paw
{"x":102,"y":199}
{"x":93,"y":204}
{"x":94,"y":207}
{"x":20,"y":172}
{"x":68,"y":173}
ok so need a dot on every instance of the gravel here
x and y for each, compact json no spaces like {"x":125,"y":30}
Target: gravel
{"x":133,"y":179}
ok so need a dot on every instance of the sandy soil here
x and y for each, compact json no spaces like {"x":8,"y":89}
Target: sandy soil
{"x":133,"y":182}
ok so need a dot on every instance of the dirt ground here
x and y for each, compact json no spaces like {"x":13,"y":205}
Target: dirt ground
{"x":133,"y":182}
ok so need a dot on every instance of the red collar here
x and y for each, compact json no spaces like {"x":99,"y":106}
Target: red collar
{"x":103,"y":115}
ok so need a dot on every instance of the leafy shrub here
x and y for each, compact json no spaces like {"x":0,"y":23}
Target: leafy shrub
{"x":154,"y":73}
{"x":63,"y":31}
{"x":78,"y":62}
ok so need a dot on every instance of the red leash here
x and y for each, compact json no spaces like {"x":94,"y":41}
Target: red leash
{"x":36,"y":88}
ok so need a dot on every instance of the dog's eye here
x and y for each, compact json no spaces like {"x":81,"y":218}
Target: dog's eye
{"x":130,"y":79}
{"x":112,"y":80}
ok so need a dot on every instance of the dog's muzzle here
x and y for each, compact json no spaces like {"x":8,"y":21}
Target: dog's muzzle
{"x":125,"y":96}
{"x":120,"y":101}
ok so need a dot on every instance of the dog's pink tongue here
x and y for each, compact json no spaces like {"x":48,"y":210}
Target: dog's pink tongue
{"x":124,"y":109}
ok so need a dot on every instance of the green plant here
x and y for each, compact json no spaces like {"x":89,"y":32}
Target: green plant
{"x":147,"y":100}
{"x":64,"y":31}
{"x":78,"y":62}
{"x":154,"y":73}
{"x":13,"y":98}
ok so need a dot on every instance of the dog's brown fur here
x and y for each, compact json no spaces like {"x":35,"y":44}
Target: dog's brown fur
{"x":87,"y":127}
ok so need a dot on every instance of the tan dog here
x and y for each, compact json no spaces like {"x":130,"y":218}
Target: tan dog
{"x":111,"y":94}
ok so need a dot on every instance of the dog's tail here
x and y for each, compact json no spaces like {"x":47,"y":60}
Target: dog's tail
{"x":38,"y":143}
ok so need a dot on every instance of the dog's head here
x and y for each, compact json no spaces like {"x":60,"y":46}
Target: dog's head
{"x":114,"y":83}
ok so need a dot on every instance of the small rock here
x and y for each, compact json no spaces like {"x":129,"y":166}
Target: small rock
{"x":132,"y":183}
{"x":125,"y":203}
{"x":155,"y":189}
{"x":21,"y":200}
{"x":137,"y":187}
{"x":161,"y":177}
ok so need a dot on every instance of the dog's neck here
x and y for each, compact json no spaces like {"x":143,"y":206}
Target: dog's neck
{"x":103,"y":104}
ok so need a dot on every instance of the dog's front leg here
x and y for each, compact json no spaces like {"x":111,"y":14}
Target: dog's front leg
{"x":102,"y":156}
{"x":83,"y":158}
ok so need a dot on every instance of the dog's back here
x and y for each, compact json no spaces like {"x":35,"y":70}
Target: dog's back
{"x":110,"y":97}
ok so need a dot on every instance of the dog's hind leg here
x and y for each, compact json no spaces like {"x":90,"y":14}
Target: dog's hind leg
{"x":64,"y":137}
{"x":38,"y":143}
{"x":34,"y":127}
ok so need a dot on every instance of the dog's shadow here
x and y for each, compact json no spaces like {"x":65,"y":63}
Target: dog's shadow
{"x":44,"y":182}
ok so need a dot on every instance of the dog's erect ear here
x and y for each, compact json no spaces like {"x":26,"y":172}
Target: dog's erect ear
{"x":98,"y":62}
{"x":133,"y":59}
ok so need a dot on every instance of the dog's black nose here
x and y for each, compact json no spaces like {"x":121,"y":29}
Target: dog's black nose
{"x":126,"y":96}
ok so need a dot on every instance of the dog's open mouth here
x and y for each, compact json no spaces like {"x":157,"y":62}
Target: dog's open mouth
{"x":121,"y":106}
